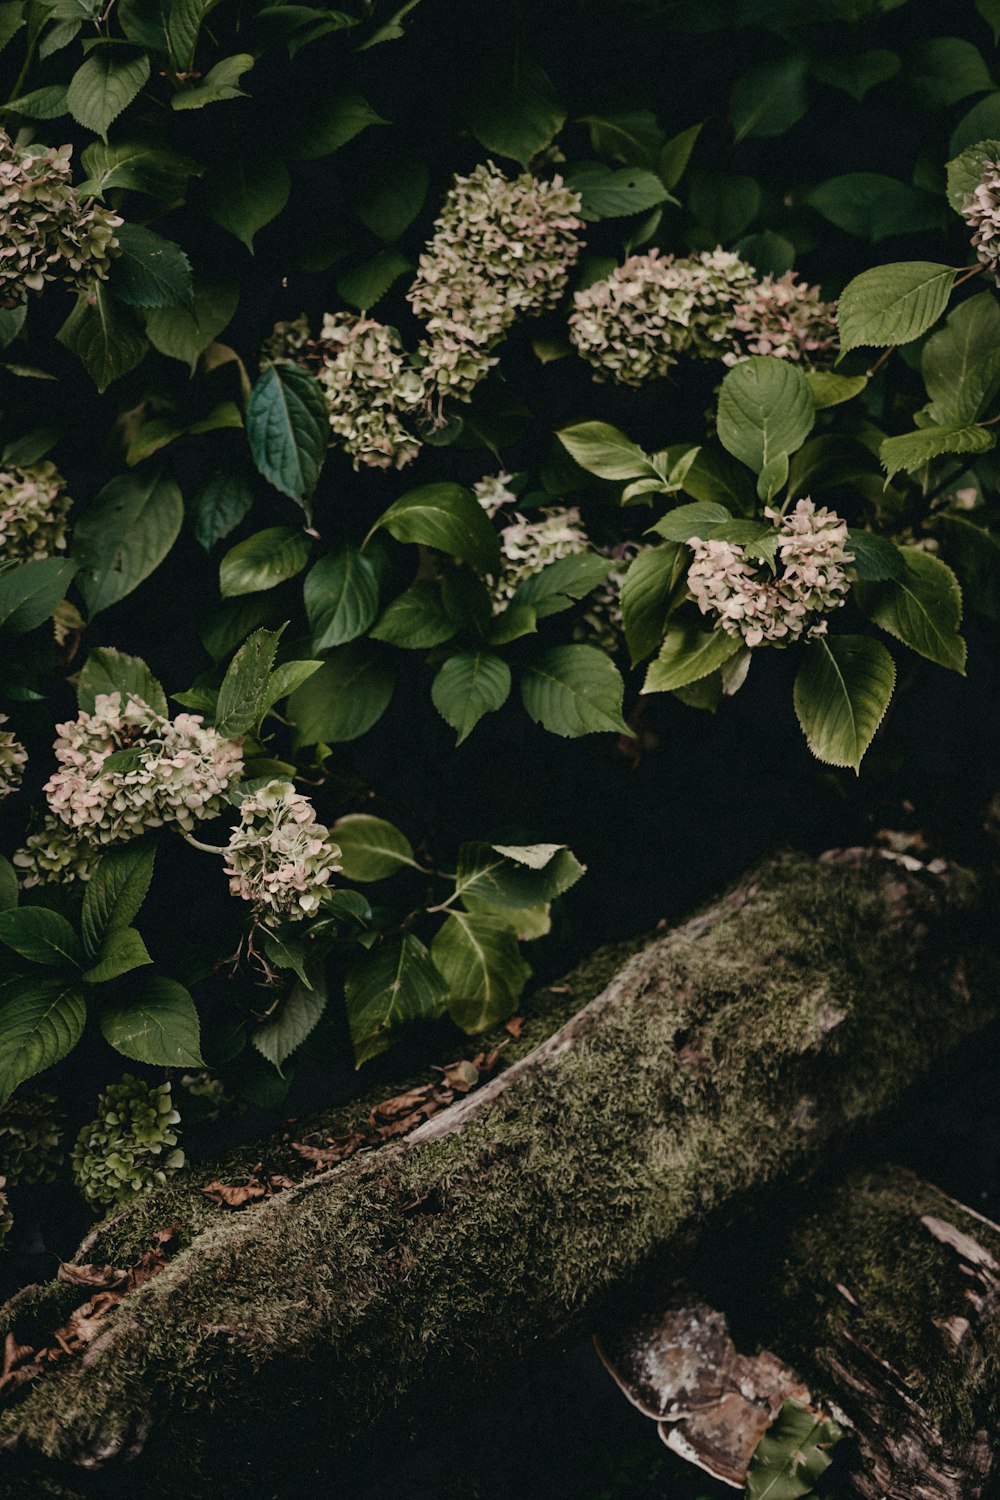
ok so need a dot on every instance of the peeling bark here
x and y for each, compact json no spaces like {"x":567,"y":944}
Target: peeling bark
{"x":718,"y":1058}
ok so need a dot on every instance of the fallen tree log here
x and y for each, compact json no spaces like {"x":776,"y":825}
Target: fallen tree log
{"x":718,"y":1058}
{"x":883,"y":1302}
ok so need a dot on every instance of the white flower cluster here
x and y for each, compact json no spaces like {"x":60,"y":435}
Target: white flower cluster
{"x":369,"y":383}
{"x":177,"y":772}
{"x":633,"y":326}
{"x":785,"y":317}
{"x":46,"y":232}
{"x":278,"y":857}
{"x":13,"y":759}
{"x":493,"y":492}
{"x":981,"y":212}
{"x":814,"y":555}
{"x":55,"y":855}
{"x":33,"y":510}
{"x":528,"y":545}
{"x":501,"y":250}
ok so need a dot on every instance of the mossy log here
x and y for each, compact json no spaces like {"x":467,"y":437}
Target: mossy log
{"x":883,"y":1303}
{"x":718,"y":1058}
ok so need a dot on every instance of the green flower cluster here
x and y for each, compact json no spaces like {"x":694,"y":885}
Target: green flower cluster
{"x":131,"y":1146}
{"x":46,"y":232}
{"x":31,"y":1129}
{"x":34,"y":508}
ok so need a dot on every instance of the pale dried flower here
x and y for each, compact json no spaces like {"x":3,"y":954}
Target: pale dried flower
{"x":13,"y":759}
{"x":278,"y":857}
{"x":371,"y":389}
{"x":784,"y":317}
{"x":981,"y":211}
{"x":530,"y":544}
{"x":33,"y":511}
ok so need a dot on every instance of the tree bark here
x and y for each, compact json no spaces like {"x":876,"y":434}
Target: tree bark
{"x":883,"y":1303}
{"x":717,"y":1059}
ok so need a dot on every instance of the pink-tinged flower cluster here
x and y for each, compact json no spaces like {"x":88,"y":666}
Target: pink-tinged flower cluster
{"x":981,"y":212}
{"x":501,"y":249}
{"x":278,"y":857}
{"x":813,"y":555}
{"x":47,"y":233}
{"x":370,"y":386}
{"x":13,"y":759}
{"x":55,"y":855}
{"x":784,"y":317}
{"x":634,"y":325}
{"x":528,"y":545}
{"x":176,"y":773}
{"x":493,"y":492}
{"x":33,"y":511}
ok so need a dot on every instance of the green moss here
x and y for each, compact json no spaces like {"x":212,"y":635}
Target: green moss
{"x":726,"y":1059}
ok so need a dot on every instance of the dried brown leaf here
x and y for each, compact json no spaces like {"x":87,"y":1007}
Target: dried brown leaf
{"x":100,"y":1278}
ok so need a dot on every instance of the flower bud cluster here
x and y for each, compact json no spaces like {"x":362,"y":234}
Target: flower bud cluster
{"x":785,"y":317}
{"x":31,"y":1129}
{"x":177,"y":772}
{"x":13,"y":759}
{"x":33,"y":511}
{"x":47,"y":233}
{"x":278,"y":857}
{"x":130,"y":1147}
{"x":981,"y":212}
{"x":501,"y":249}
{"x":370,"y":388}
{"x":813,"y":555}
{"x":528,"y":545}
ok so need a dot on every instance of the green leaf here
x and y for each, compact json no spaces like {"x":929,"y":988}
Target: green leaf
{"x":965,"y":170}
{"x":555,"y":586}
{"x":615,"y":192}
{"x":392,"y":31}
{"x":687,"y":521}
{"x":287,"y":429}
{"x":350,"y":692}
{"x":124,"y":534}
{"x":242,"y":695}
{"x":392,"y":191}
{"x":297,"y":1015}
{"x":41,"y":936}
{"x":859,"y":74}
{"x":715,"y":476}
{"x":115,"y":893}
{"x":219,"y":505}
{"x":842,"y":691}
{"x":367,"y":284}
{"x":687,"y":655}
{"x":480,"y":961}
{"x":140,"y":165}
{"x":109,"y":671}
{"x":469,"y":685}
{"x":150,"y":271}
{"x":912,"y":450}
{"x":122,"y":951}
{"x":875,"y":557}
{"x":512,"y":623}
{"x":977,"y":556}
{"x":29,"y":593}
{"x":516,"y":114}
{"x":769,"y":98}
{"x":371,"y":848}
{"x":724,"y":204}
{"x":633,"y":136}
{"x":766,"y":411}
{"x":330,"y":123}
{"x":103,"y":86}
{"x":389,"y":989}
{"x":41,"y":104}
{"x":676,"y":154}
{"x":416,"y":619}
{"x":285,"y":679}
{"x":9,"y":889}
{"x":39,"y":1025}
{"x":448,"y":518}
{"x":246,"y":191}
{"x":341,"y":597}
{"x":923,"y":609}
{"x":219,"y":83}
{"x":893,"y":304}
{"x":574,"y":690}
{"x":961,"y":362}
{"x":263,"y":560}
{"x":602,"y":450}
{"x":990,"y":12}
{"x":183,"y":334}
{"x":158,"y":1024}
{"x":103,"y":335}
{"x":651,"y":588}
{"x":828,"y":389}
{"x":945,"y":69}
{"x":11,"y":20}
{"x":792,"y":1454}
{"x":515,"y":877}
{"x":874,"y":206}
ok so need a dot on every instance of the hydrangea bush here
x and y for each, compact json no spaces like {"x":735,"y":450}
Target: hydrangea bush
{"x":374,"y":397}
